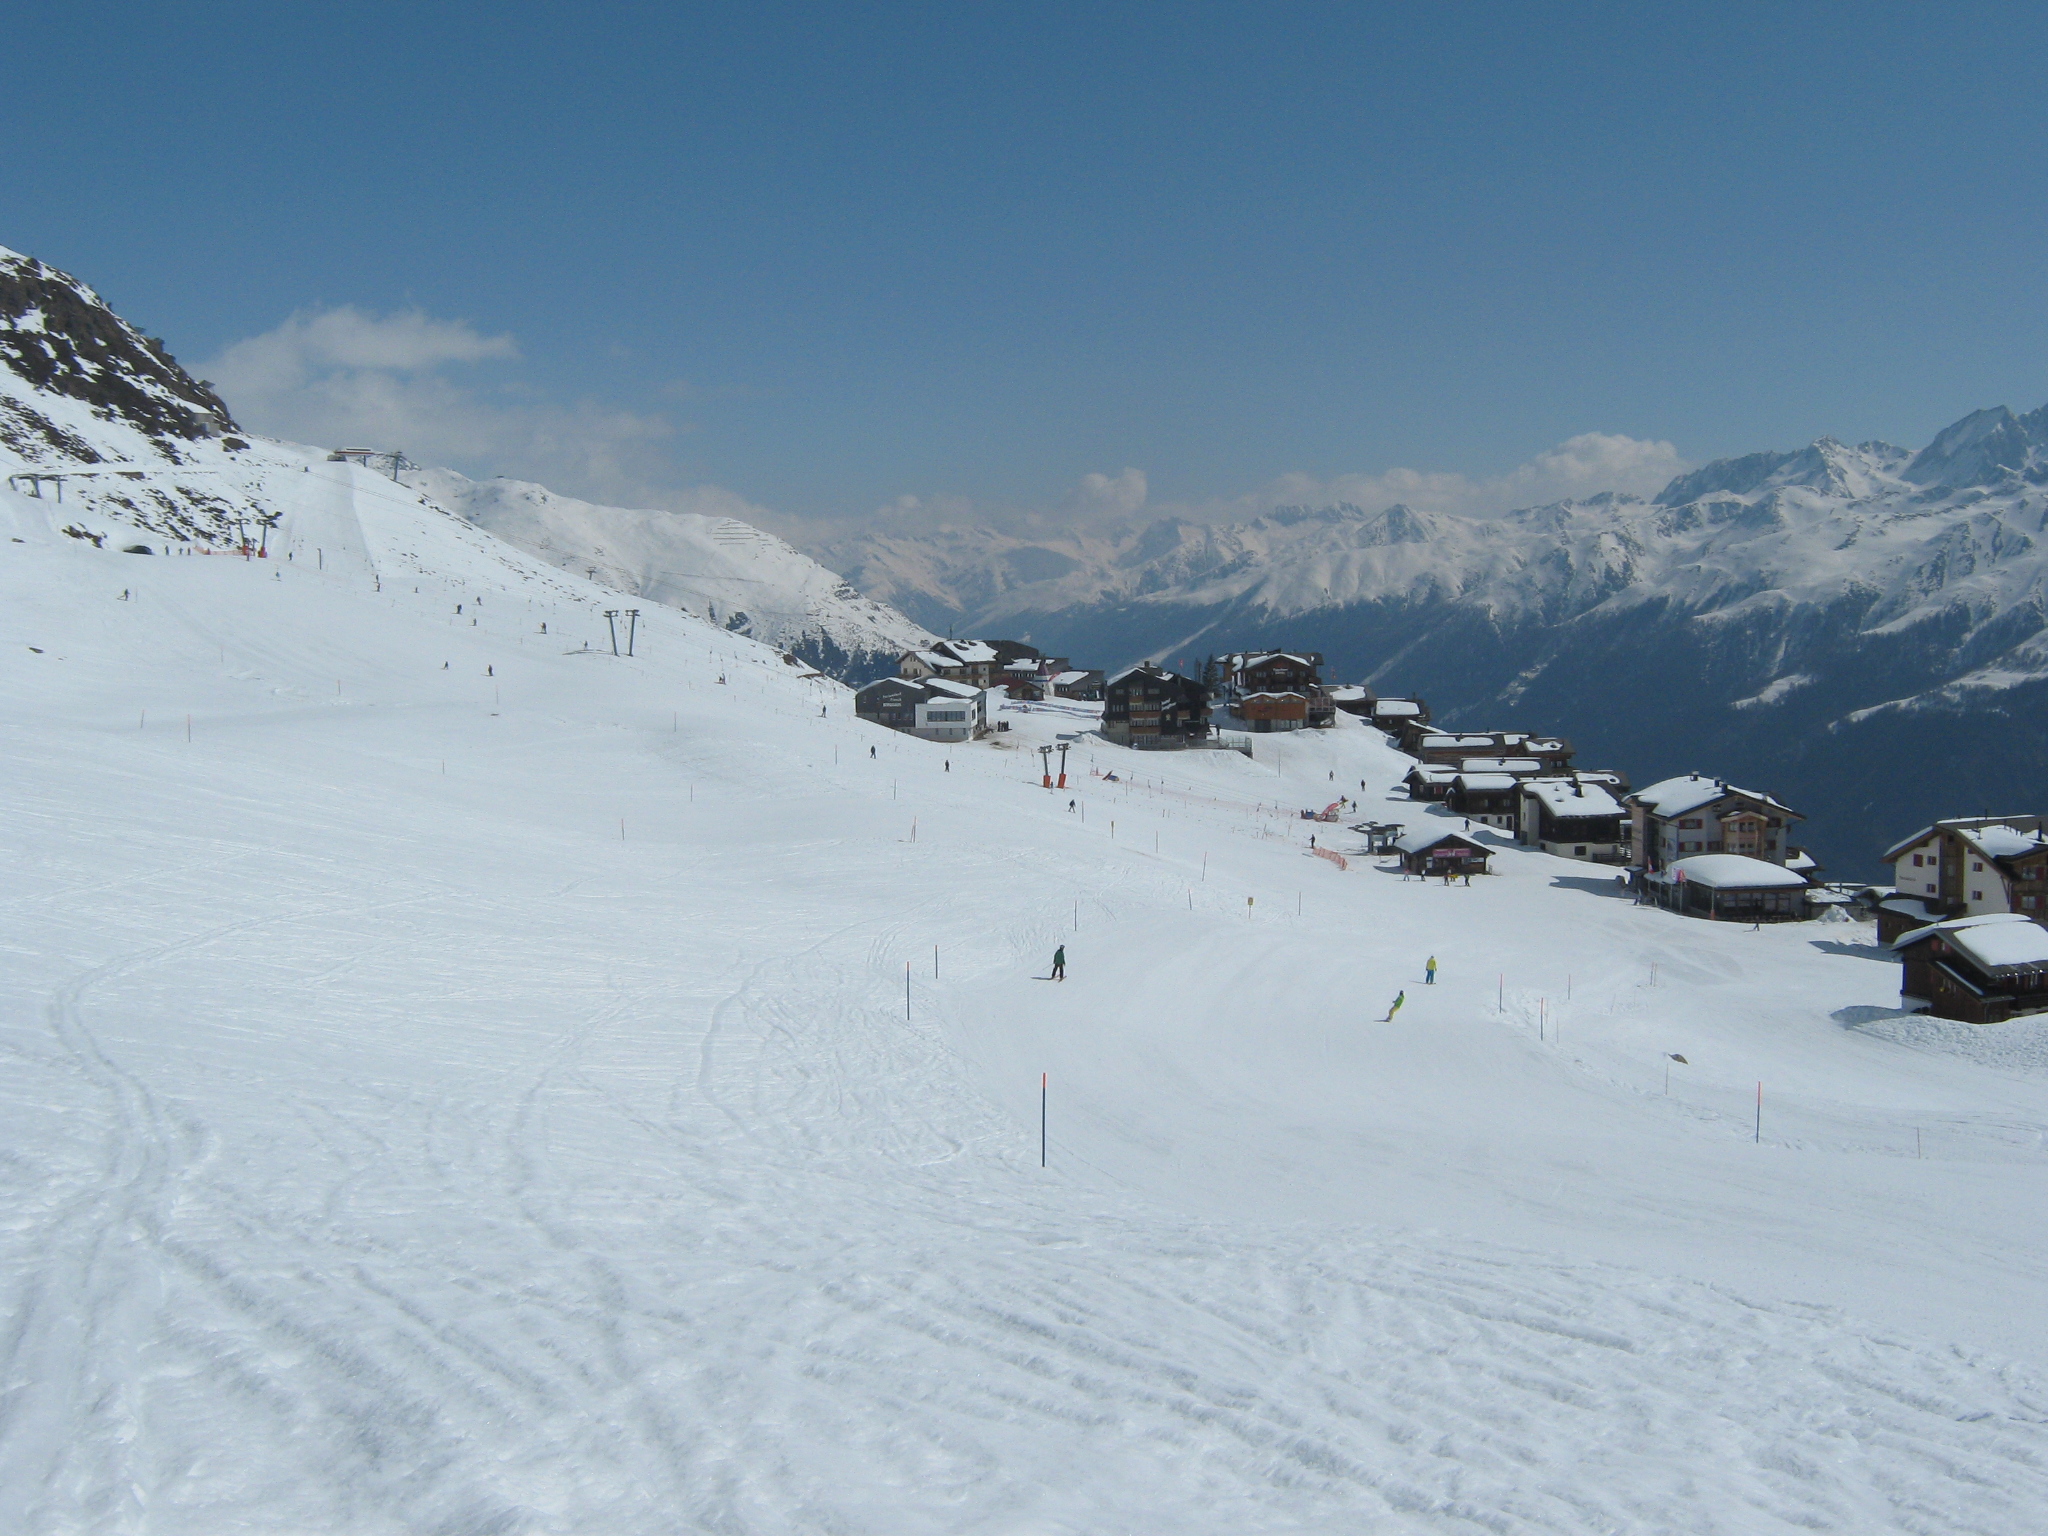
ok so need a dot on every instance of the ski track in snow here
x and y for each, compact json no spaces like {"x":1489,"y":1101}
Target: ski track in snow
{"x":392,"y":1151}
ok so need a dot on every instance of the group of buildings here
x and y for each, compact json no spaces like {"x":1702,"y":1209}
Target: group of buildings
{"x":1967,"y":910}
{"x":941,"y":694}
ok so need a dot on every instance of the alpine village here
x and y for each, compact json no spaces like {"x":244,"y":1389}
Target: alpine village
{"x":1966,"y":913}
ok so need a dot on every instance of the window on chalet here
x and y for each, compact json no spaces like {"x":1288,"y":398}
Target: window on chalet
{"x":2029,"y":903}
{"x":1690,"y":824}
{"x":1976,"y":866}
{"x":1916,"y":861}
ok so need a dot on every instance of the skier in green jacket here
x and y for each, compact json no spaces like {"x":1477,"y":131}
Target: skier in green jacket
{"x":1059,"y":963}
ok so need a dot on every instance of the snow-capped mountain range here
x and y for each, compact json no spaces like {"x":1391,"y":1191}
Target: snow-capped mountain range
{"x":101,"y":417}
{"x":1861,"y":628}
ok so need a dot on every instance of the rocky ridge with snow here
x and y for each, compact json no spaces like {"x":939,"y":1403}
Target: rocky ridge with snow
{"x":1855,"y":626}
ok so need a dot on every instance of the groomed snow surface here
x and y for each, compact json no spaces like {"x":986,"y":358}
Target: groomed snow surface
{"x":449,"y":1102}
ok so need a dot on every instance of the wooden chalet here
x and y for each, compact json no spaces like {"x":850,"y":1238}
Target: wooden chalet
{"x":1085,"y":683}
{"x":1966,"y":867}
{"x":1396,"y":715}
{"x":1427,"y":851}
{"x":1982,"y":970}
{"x":957,"y":661}
{"x":1550,"y":754}
{"x":1277,"y":690}
{"x":1492,"y":799}
{"x":1353,"y":699}
{"x":1576,"y":816}
{"x":1430,"y":781}
{"x":1153,"y":709}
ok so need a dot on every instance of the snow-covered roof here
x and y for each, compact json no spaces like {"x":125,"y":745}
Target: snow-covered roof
{"x":1346,"y":692}
{"x":1266,"y":693}
{"x":2003,"y":842}
{"x":1022,"y":664}
{"x":934,"y":660}
{"x":916,"y":684}
{"x":1433,"y":773}
{"x":1439,"y":742}
{"x":1428,"y":837}
{"x":1261,"y":658}
{"x":1995,"y":941}
{"x":1397,"y":707}
{"x":970,"y":650}
{"x":1564,"y":797}
{"x":1731,"y":872}
{"x":1688,"y":792}
{"x":956,"y":689}
{"x":1483,"y":781}
{"x":1501,"y":765}
{"x":1997,"y":840}
{"x":1068,"y":679}
{"x":1801,"y":860}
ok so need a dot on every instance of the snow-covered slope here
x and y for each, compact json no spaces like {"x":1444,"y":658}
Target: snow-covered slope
{"x":149,"y":455}
{"x":730,"y":572}
{"x":461,"y":1080}
{"x":1845,"y":623}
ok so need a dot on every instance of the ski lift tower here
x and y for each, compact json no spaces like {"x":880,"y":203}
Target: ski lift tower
{"x":384,"y":462}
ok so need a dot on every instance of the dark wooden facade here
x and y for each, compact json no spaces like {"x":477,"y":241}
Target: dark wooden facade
{"x":1939,"y":970}
{"x":1149,"y":707}
{"x":1449,"y":853}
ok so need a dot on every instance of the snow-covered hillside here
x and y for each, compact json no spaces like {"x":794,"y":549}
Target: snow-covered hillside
{"x":459,"y":1079}
{"x":1853,"y":625}
{"x":728,"y":571}
{"x":149,"y":455}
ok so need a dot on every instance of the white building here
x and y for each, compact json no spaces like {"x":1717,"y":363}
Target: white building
{"x":1969,"y":866}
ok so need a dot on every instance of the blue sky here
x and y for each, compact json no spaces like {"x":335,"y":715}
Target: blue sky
{"x":963,"y":257}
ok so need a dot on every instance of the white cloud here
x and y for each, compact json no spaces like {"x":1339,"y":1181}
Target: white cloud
{"x":1109,"y":496}
{"x":1579,"y":466}
{"x":408,"y":381}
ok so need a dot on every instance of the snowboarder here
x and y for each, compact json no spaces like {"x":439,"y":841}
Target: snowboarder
{"x":1429,"y":972}
{"x":1059,"y":963}
{"x":1399,"y":999}
{"x":871,"y":750}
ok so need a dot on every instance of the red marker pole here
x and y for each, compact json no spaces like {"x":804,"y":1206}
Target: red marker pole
{"x":1043,"y":1079}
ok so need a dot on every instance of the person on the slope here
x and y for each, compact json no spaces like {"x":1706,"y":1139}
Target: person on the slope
{"x":1399,"y":999}
{"x":1429,"y":972}
{"x":871,"y":751}
{"x":1059,"y":963}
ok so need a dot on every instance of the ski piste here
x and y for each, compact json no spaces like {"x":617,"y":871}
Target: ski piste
{"x":464,"y":1085}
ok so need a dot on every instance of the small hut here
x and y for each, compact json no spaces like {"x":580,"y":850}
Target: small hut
{"x":1983,"y":970}
{"x":1733,"y":888}
{"x":1428,"y":852}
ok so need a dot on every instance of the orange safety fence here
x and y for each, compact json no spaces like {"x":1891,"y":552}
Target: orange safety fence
{"x":1334,"y":857}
